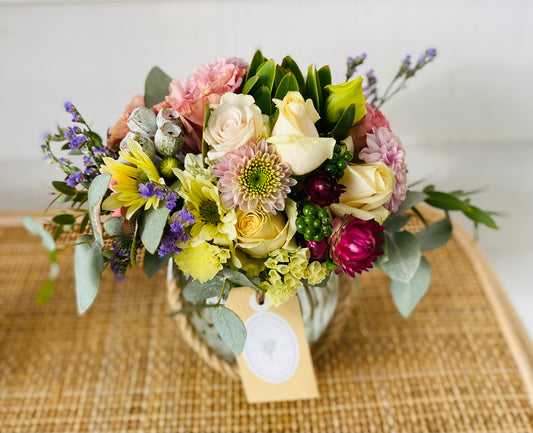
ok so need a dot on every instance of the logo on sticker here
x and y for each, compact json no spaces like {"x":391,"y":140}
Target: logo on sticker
{"x":271,"y":350}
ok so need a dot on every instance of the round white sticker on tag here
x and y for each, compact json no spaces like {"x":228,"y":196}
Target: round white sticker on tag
{"x":271,"y":350}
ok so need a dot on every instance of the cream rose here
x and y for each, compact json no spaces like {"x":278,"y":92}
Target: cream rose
{"x":295,"y":136}
{"x":368,"y":188}
{"x":233,"y":123}
{"x":259,"y":232}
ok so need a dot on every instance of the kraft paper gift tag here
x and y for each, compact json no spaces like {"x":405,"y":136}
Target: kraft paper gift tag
{"x":275,"y":364}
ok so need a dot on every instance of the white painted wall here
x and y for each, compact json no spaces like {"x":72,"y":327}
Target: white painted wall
{"x":465,"y":121}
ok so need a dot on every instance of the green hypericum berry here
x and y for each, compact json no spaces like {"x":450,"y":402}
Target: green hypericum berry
{"x":347,"y":156}
{"x":311,"y":231}
{"x":323,"y":213}
{"x":327,"y":231}
{"x":319,"y":237}
{"x":300,"y":224}
{"x":309,"y":210}
{"x":342,"y":164}
{"x":167,"y":165}
{"x":317,"y":223}
{"x":337,"y":149}
{"x":331,"y":168}
{"x":308,"y":220}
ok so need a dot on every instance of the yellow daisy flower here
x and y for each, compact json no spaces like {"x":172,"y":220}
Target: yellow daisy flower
{"x":140,"y":169}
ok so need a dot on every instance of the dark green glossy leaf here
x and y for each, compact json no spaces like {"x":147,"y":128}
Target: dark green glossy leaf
{"x":263,"y":100}
{"x":231,"y":329}
{"x":45,"y":292}
{"x":63,"y":188}
{"x":289,"y":64}
{"x":64,"y":219}
{"x":257,"y":60}
{"x":267,"y":73}
{"x":341,"y":129}
{"x":324,"y":76}
{"x":287,"y":84}
{"x":280,"y":73}
{"x":480,"y":216}
{"x":156,"y":87}
{"x":249,"y":85}
{"x":313,"y":89}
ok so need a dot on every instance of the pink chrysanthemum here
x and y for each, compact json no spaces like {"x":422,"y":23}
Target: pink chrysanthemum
{"x":382,"y":145}
{"x":252,"y":176}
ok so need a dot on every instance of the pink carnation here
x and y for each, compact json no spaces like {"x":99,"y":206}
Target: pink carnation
{"x":382,"y":145}
{"x":206,"y":85}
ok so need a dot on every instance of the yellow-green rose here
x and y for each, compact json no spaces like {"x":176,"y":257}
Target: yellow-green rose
{"x":259,"y":232}
{"x":295,"y":136}
{"x":341,"y":96}
{"x":368,"y":188}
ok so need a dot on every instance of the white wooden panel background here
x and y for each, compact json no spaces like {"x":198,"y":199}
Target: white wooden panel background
{"x":465,"y":121}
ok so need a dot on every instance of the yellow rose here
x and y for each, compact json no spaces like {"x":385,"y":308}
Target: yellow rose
{"x":368,"y":188}
{"x":295,"y":136}
{"x":259,"y":233}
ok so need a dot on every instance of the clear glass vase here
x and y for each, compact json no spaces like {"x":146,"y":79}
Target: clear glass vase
{"x":318,"y":304}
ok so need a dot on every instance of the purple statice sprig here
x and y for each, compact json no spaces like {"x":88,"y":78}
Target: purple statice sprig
{"x":177,"y":233}
{"x":120,"y":258}
{"x":352,"y":63}
{"x":370,"y":89}
{"x":160,"y":192}
{"x":406,"y":71}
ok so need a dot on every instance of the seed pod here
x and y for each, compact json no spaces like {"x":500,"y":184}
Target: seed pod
{"x":147,"y":145}
{"x":143,"y":121}
{"x":169,"y":139}
{"x":168,"y":115}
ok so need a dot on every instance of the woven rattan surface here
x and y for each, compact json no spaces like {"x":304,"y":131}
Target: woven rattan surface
{"x":122,"y":367}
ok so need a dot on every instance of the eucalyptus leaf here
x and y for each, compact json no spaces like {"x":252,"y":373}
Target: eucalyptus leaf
{"x":97,"y":190}
{"x":396,"y":221}
{"x":407,"y":296}
{"x":63,"y":188}
{"x":153,"y":263}
{"x":231,"y":329}
{"x":403,"y":256}
{"x":435,"y":235}
{"x":113,"y":226}
{"x":156,"y":87}
{"x":196,"y":292}
{"x":238,"y":278}
{"x":64,"y":219}
{"x":88,"y":267}
{"x":290,"y":64}
{"x":341,"y":129}
{"x":412,"y":198}
{"x":38,"y":229}
{"x":153,"y":224}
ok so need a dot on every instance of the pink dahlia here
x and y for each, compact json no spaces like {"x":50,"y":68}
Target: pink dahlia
{"x":252,"y":176}
{"x":207,"y":84}
{"x":382,"y":145}
{"x":372,"y":119}
{"x":354,"y":244}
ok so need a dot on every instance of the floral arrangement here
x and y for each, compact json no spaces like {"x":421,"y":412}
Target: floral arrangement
{"x":248,"y":174}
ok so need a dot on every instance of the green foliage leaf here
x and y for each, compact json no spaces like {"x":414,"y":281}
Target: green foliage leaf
{"x":88,"y":267}
{"x":263,"y":100}
{"x":113,"y":226}
{"x":403,"y":256}
{"x":197,"y":292}
{"x":231,"y":329}
{"x":238,"y":278}
{"x":396,"y":221}
{"x":267,"y":74}
{"x":313,"y":89}
{"x":287,"y":84}
{"x":324,"y":77}
{"x":38,"y":229}
{"x":45,"y":292}
{"x":64,"y":219}
{"x":280,"y":73}
{"x":84,"y":222}
{"x":257,"y":60}
{"x":479,"y":216}
{"x":249,"y":85}
{"x":435,"y":235}
{"x":63,"y":188}
{"x":289,"y":64}
{"x":156,"y":87}
{"x":153,"y":224}
{"x":97,"y":190}
{"x":407,"y":296}
{"x":412,"y":198}
{"x":340,"y":131}
{"x":153,"y":263}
